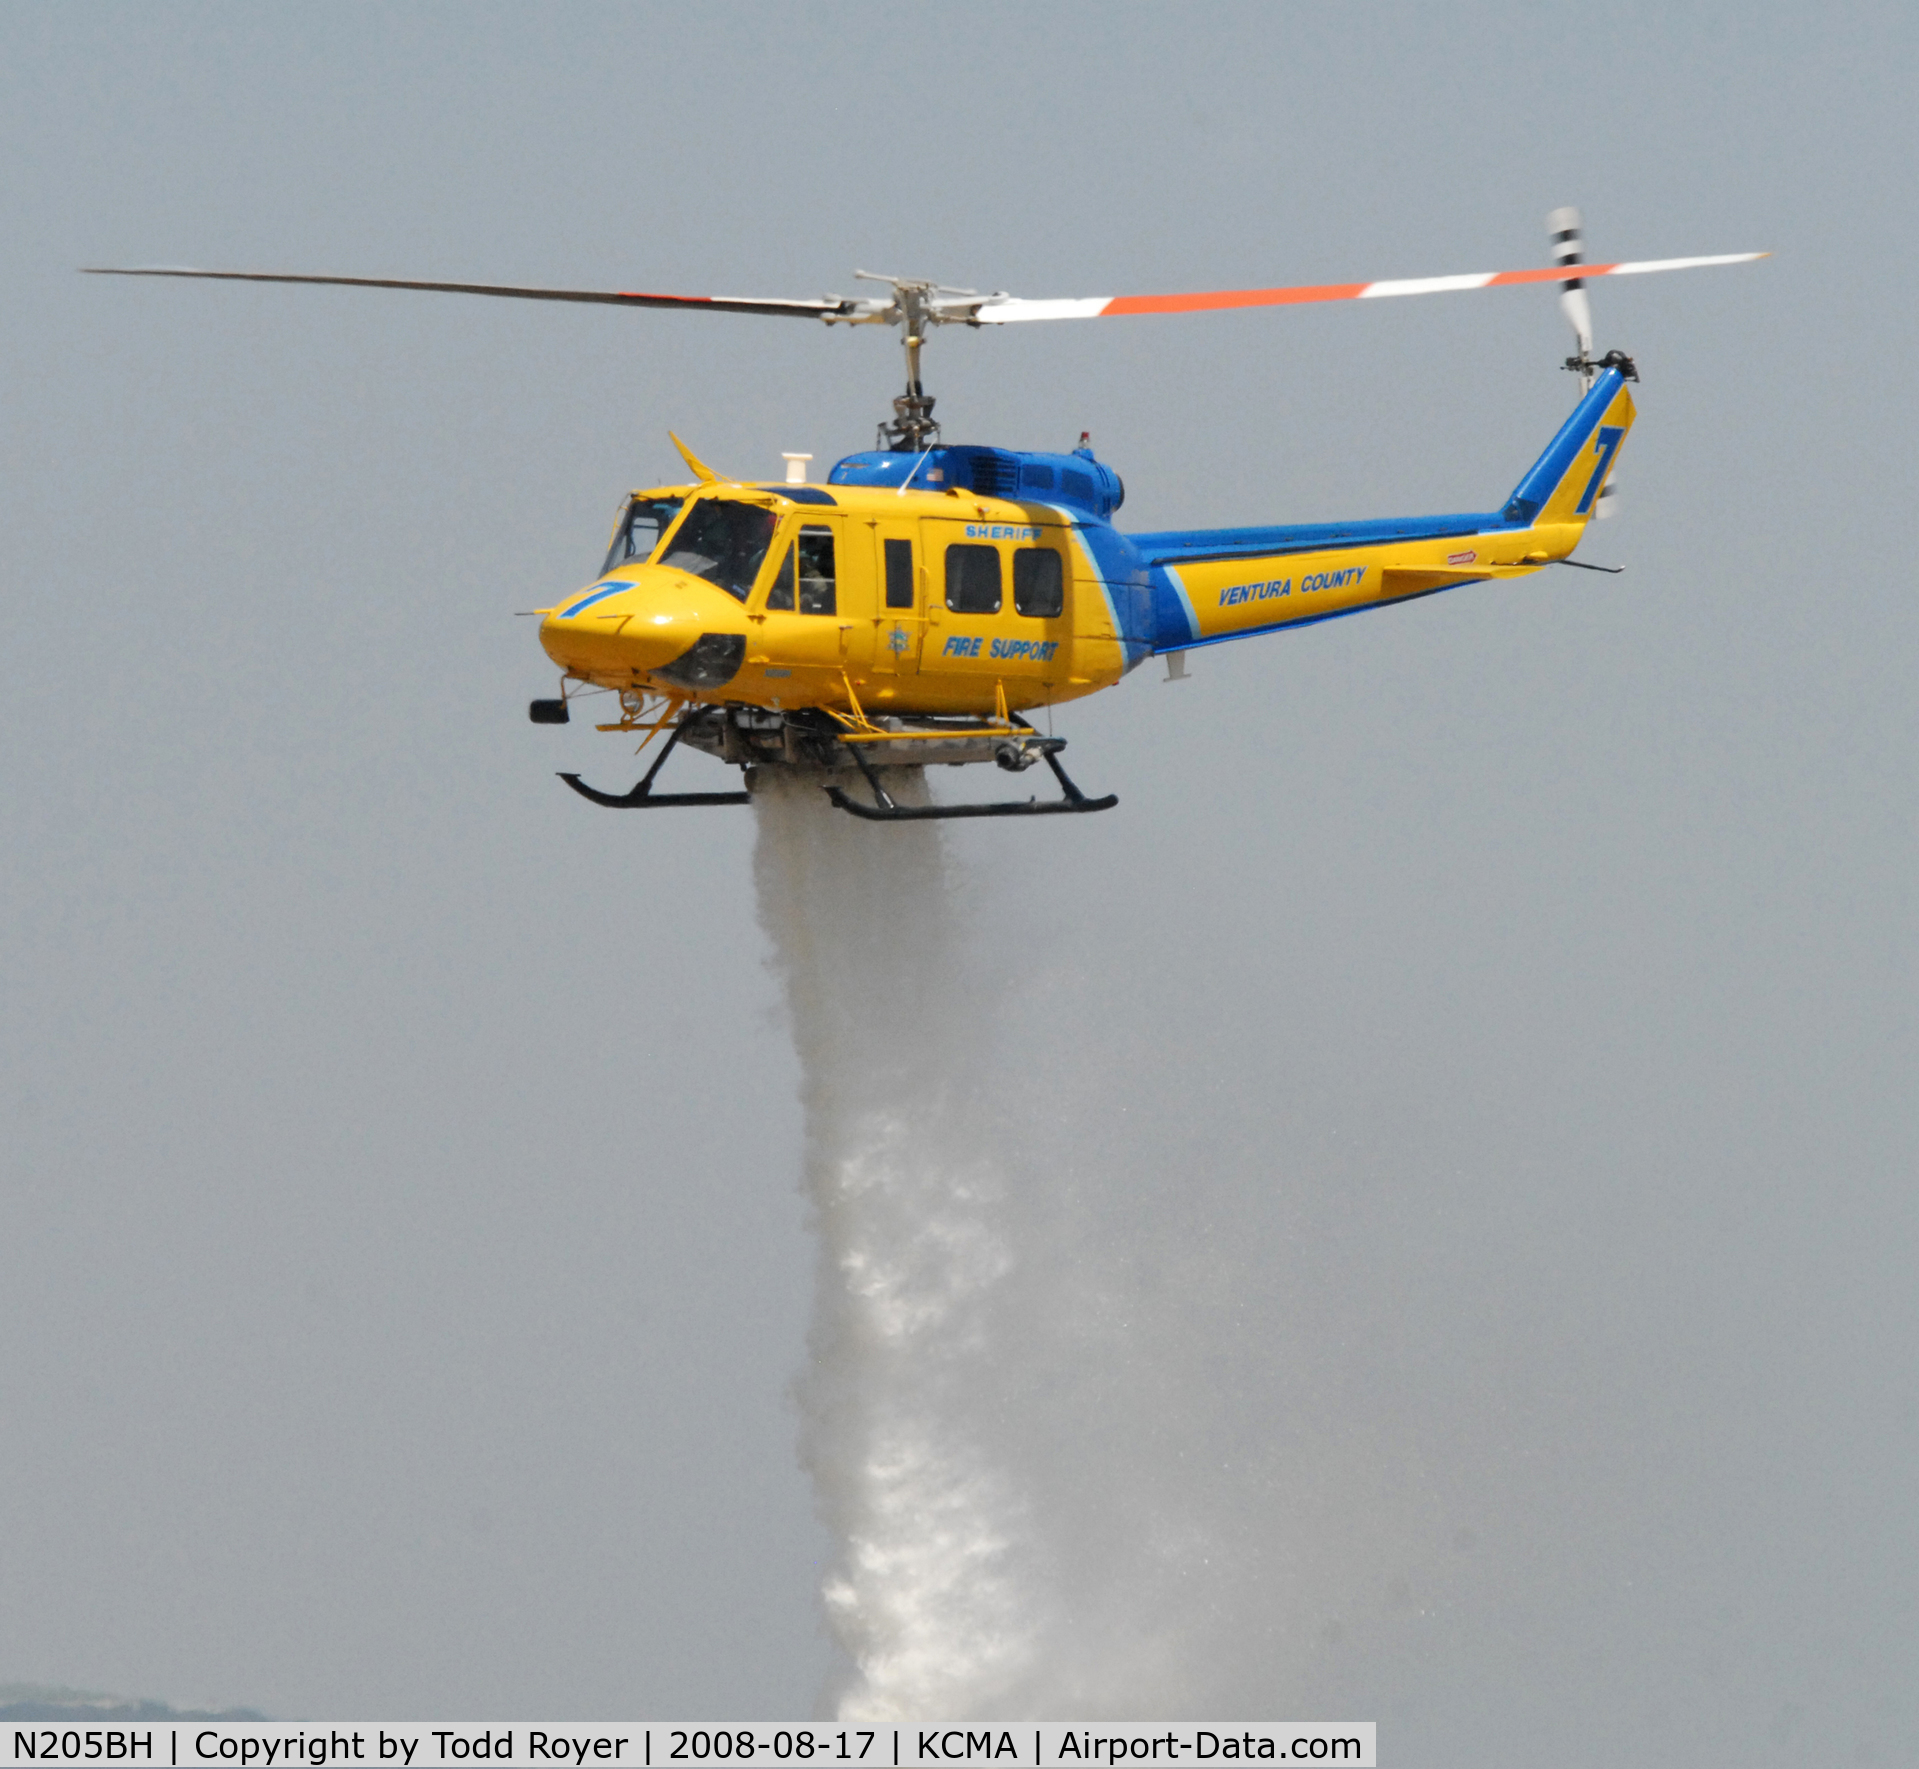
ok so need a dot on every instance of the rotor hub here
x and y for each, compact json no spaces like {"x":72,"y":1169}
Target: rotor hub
{"x":915,"y":306}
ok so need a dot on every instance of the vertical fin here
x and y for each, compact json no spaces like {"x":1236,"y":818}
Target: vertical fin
{"x":1565,"y":482}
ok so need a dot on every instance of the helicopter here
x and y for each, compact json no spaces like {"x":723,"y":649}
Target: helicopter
{"x":916,"y":605}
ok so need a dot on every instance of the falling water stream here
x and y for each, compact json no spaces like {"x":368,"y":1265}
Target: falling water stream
{"x":932,"y":1594}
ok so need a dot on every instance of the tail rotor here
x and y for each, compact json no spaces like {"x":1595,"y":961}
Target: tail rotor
{"x":1568,"y":237}
{"x":1569,"y":248}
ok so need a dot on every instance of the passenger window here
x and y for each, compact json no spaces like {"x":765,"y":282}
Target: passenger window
{"x":817,"y":587}
{"x":972,"y":579}
{"x":1038,"y":586}
{"x":780,"y":596}
{"x":899,"y":574}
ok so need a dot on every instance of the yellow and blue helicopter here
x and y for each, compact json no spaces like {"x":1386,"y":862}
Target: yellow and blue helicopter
{"x":921,"y":601}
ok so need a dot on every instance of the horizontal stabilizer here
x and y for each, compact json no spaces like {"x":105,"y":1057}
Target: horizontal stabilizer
{"x":1414,"y":580}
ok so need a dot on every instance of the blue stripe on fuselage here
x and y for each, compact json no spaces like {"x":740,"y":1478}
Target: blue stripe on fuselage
{"x":1186,"y":546}
{"x":600,"y":594}
{"x":1122,"y":580}
{"x":1175,"y":625}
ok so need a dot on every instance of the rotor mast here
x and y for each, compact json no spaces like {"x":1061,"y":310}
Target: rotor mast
{"x":912,"y":427}
{"x":914,"y":307}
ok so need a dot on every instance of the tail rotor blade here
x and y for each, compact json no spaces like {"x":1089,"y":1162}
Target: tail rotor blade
{"x":1568,"y":249}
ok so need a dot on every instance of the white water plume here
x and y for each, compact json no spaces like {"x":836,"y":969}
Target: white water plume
{"x":1093,"y":1410}
{"x":935,"y":1595}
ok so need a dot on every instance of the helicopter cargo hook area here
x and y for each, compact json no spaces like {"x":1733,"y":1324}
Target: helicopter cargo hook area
{"x":915,"y":606}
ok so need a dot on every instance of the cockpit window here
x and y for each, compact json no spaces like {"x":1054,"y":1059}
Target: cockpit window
{"x":642,"y":523}
{"x":723,"y":542}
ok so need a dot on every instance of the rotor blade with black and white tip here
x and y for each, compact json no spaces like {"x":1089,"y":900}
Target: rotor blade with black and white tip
{"x":1569,"y":248}
{"x":824,"y":309}
{"x":1012,"y":310}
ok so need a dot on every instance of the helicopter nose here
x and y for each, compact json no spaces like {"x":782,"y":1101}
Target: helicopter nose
{"x":631,"y":627}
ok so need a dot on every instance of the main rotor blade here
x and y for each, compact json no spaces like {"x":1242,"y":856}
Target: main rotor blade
{"x":605,"y":297}
{"x":1012,"y":311}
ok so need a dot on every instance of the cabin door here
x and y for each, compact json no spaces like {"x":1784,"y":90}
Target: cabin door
{"x":899,"y":572}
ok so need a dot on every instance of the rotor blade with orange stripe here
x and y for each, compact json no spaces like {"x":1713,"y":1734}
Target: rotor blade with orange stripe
{"x":1012,"y":310}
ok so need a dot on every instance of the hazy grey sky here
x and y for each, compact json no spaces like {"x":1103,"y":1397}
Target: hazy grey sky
{"x":1466,"y":1085}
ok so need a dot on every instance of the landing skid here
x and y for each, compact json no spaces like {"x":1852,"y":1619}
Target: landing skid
{"x":885,"y":810}
{"x":644,"y":798}
{"x":698,"y":726}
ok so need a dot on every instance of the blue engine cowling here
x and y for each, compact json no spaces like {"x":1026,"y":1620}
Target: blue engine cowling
{"x":1076,"y":480}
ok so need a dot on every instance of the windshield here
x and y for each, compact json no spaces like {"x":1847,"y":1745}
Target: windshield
{"x":724,"y":543}
{"x":641,"y":524}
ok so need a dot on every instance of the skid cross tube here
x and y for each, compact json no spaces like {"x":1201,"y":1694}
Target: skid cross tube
{"x":643,"y":797}
{"x":885,"y":809}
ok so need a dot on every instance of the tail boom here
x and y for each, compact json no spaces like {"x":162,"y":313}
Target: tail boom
{"x":1213,"y":585}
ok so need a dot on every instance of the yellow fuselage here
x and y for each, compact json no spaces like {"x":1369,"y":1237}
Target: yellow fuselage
{"x":891,"y":636}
